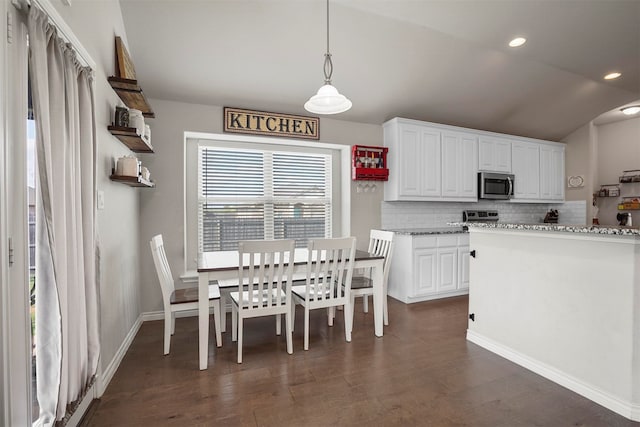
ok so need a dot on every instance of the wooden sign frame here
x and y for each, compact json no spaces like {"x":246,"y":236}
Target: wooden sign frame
{"x":239,"y":120}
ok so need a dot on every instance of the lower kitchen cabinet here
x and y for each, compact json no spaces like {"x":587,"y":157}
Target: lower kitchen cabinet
{"x":429,"y":267}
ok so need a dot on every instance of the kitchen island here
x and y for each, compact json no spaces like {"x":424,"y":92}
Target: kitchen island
{"x":562,"y":301}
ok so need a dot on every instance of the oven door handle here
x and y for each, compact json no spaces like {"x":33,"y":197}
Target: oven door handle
{"x":510,"y":192}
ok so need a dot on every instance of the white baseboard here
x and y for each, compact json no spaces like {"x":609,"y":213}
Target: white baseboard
{"x":84,"y":405}
{"x":105,"y":378}
{"x":625,"y":408}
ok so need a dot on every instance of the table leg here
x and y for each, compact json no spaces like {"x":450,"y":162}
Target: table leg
{"x":378,"y":301}
{"x":203,"y":319}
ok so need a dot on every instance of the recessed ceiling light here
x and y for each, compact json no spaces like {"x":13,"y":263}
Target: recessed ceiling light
{"x":612,"y":76}
{"x":517,"y":42}
{"x":631,"y":110}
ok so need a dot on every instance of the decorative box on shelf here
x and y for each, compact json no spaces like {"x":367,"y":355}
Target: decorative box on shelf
{"x":369,"y":163}
{"x":609,"y":190}
{"x":630,"y":176}
{"x":629,"y":203}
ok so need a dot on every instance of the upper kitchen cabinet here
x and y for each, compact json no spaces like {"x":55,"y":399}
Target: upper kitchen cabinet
{"x":552,"y":172}
{"x":414,"y":162}
{"x":539,"y":172}
{"x":526,"y":168}
{"x":429,"y":162}
{"x":494,"y":154}
{"x":459,"y":171}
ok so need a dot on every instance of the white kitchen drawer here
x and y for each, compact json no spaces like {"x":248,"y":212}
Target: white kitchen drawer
{"x":463,"y":239}
{"x":448,"y":240}
{"x":425,"y":242}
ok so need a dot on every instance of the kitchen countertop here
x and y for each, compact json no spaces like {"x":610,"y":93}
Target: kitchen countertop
{"x":426,"y":231}
{"x":586,"y":229}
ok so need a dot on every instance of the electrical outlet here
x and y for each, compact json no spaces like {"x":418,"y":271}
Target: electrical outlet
{"x":100,"y":199}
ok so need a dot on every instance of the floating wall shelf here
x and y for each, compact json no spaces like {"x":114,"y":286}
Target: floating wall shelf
{"x":131,"y":139}
{"x":133,"y":181}
{"x":131,"y":94}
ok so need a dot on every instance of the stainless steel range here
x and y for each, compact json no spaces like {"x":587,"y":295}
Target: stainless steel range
{"x":480,"y":216}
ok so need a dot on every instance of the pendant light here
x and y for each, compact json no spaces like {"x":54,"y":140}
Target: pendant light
{"x":328,"y":100}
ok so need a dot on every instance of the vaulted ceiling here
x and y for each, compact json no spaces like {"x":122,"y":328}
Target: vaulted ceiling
{"x":439,"y":61}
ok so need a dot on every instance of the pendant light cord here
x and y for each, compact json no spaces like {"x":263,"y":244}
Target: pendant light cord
{"x":328,"y":64}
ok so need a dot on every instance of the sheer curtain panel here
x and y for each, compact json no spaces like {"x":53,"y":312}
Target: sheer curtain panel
{"x":67,"y":340}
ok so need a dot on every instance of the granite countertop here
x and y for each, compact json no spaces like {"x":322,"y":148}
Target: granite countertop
{"x":587,"y":229}
{"x":426,"y":231}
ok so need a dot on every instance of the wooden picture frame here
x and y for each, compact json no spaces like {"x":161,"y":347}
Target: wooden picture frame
{"x":124,"y":64}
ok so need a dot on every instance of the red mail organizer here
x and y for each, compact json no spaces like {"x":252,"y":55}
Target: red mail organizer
{"x":369,"y":163}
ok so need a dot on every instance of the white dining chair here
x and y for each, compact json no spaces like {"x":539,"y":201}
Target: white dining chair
{"x":175,"y":300}
{"x":330,"y":263}
{"x":264,"y":286}
{"x":380,"y":244}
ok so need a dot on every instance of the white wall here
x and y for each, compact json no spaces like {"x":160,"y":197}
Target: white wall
{"x":96,"y":23}
{"x":579,"y":161}
{"x":162,"y":209}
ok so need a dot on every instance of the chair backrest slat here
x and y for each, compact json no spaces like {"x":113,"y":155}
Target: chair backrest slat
{"x":162,"y":268}
{"x":265,"y":273}
{"x":329,"y":264}
{"x":381,"y":244}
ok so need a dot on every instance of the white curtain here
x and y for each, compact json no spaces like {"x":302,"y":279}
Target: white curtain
{"x":67,"y":341}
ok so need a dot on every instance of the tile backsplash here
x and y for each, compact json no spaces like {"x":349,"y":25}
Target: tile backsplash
{"x":408,"y":215}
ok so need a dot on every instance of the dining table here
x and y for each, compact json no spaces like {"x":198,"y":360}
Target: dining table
{"x":222,"y":266}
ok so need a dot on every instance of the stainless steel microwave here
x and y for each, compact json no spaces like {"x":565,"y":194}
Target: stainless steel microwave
{"x":492,"y":185}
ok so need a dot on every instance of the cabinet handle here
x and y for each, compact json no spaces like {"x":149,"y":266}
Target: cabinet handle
{"x":473,"y":253}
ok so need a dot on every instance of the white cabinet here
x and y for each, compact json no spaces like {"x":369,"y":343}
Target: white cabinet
{"x":426,"y":271}
{"x":429,"y":163}
{"x":539,"y":172}
{"x":429,"y":267}
{"x":414,"y":162}
{"x":551,"y":172}
{"x":434,"y":162}
{"x":459,"y":171}
{"x":494,"y":154}
{"x":526,"y":168}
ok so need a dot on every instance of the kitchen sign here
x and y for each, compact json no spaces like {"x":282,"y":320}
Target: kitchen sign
{"x":253,"y":122}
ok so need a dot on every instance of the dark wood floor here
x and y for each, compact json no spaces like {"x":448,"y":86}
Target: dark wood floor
{"x":422,"y":372}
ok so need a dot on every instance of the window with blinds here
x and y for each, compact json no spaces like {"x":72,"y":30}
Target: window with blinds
{"x":246,"y":194}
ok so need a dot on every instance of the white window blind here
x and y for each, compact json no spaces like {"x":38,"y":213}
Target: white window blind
{"x":259,"y":194}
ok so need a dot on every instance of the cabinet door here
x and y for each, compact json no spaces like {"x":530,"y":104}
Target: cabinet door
{"x":494,"y":154}
{"x":429,"y":163}
{"x":447,"y":269}
{"x":410,"y":152}
{"x":526,"y":168}
{"x":425,"y":271}
{"x":468,"y":174}
{"x":459,"y":160}
{"x":463,"y":267}
{"x":551,"y":172}
{"x":451,"y":155}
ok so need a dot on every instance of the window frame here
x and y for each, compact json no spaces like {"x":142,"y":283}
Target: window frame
{"x":341,"y":196}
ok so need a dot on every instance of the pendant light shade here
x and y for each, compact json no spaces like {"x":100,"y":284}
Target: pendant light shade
{"x":328,"y":100}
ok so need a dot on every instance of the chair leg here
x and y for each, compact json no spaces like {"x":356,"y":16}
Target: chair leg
{"x":386,"y":311}
{"x":348,"y":321}
{"x":330,"y":316}
{"x":168,"y":320}
{"x":288,"y":325}
{"x":306,"y":328}
{"x":234,"y":323}
{"x":216,"y":322}
{"x":293,"y":316}
{"x":173,"y":322}
{"x":223,"y":316}
{"x":353,"y":304}
{"x":365,"y":303}
{"x":278,"y":324}
{"x":240,"y":322}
